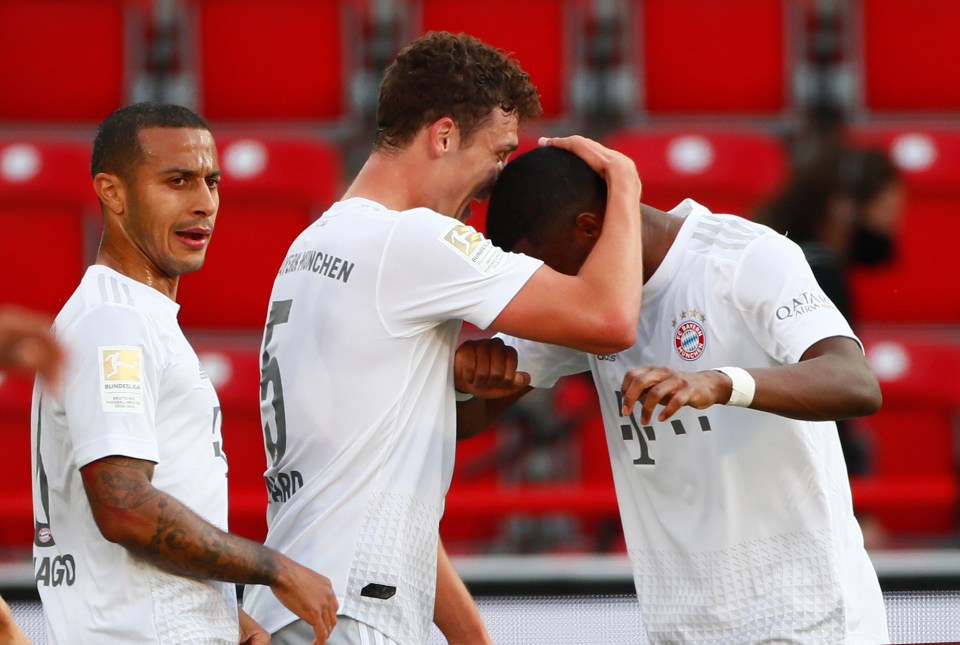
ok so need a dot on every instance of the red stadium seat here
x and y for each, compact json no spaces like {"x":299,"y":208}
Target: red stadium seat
{"x":486,"y":492}
{"x":914,"y":486}
{"x":46,"y":196}
{"x":915,"y":286}
{"x":234,"y":369}
{"x":272,"y":189}
{"x":718,"y":58}
{"x":284,"y":60}
{"x":69,"y":60}
{"x":728,"y":171}
{"x":544,"y":35}
{"x":16,"y":501}
{"x":907,"y":56}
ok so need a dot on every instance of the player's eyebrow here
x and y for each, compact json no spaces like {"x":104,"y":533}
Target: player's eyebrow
{"x":189,"y":172}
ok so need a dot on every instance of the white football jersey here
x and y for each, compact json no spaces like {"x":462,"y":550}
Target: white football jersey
{"x":739,"y":523}
{"x":357,"y":402}
{"x":133,"y":387}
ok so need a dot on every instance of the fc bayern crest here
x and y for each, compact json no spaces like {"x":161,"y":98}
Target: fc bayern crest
{"x":690,"y":339}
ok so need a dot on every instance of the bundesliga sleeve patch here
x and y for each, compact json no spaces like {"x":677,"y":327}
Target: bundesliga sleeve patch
{"x":474,"y":248}
{"x":121,"y":379}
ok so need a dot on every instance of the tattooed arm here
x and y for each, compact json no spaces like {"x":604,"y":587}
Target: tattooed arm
{"x":158,"y":528}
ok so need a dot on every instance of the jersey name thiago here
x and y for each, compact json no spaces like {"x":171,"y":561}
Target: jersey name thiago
{"x":133,"y":387}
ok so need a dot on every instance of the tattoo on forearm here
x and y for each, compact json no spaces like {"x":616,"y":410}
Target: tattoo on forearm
{"x":175,"y":538}
{"x":186,"y":544}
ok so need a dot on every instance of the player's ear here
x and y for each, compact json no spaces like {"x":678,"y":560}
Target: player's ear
{"x":112,"y":191}
{"x":588,"y":226}
{"x":442,"y":136}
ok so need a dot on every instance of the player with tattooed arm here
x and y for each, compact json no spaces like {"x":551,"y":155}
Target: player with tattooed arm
{"x":130,"y":488}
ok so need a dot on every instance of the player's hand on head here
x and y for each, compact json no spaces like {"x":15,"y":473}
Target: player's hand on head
{"x":307,"y":594}
{"x":487,"y":368}
{"x":602,"y":159}
{"x":653,"y":386}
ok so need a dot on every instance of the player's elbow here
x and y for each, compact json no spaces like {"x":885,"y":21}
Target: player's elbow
{"x":866,"y":397}
{"x":118,"y":526}
{"x":617,"y":332}
{"x":872,"y":399}
{"x":111,"y":527}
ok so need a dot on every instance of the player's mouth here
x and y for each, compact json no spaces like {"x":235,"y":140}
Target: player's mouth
{"x":194,"y":238}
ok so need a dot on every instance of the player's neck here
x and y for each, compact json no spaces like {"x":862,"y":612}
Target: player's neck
{"x":659,"y":231}
{"x":389,"y":178}
{"x":137,"y":269}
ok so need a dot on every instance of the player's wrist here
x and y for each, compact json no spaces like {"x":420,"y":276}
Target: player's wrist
{"x":743,"y":386}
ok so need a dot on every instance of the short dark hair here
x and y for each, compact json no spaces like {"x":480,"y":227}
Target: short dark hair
{"x":442,"y":74}
{"x":116,"y":147}
{"x":802,"y":205}
{"x":539,"y":194}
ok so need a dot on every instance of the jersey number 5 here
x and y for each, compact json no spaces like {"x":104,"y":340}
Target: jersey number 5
{"x":271,"y":386}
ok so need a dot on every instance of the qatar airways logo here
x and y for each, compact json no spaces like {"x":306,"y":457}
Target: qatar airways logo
{"x":802,"y":304}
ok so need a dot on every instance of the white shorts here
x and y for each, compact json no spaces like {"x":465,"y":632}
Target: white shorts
{"x":347,"y":632}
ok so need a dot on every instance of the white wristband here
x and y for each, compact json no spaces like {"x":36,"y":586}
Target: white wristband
{"x":744,"y":387}
{"x":462,"y":396}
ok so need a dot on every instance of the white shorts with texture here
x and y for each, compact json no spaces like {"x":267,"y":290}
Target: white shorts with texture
{"x":346,"y":632}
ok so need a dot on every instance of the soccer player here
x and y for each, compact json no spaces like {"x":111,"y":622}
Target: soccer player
{"x":357,"y":381}
{"x":130,"y":489}
{"x":732,"y":488}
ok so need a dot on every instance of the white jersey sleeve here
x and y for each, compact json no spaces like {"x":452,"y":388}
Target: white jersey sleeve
{"x":544,"y":362}
{"x":435,"y":268}
{"x":781,"y":302}
{"x":111,"y":384}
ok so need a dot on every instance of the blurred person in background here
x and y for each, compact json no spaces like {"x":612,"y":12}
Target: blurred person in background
{"x":734,"y":498}
{"x":26,"y":344}
{"x":842,"y":207}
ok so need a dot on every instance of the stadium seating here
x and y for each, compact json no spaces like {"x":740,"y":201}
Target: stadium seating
{"x":46,"y":199}
{"x":492,"y":485}
{"x":916,"y":287}
{"x":16,"y":505}
{"x":696,"y":57}
{"x":728,"y":171}
{"x":69,"y":60}
{"x":234,"y":369}
{"x":905,"y":55}
{"x":272,"y":189}
{"x":914,"y":486}
{"x":544,"y":35}
{"x":284,"y":60}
